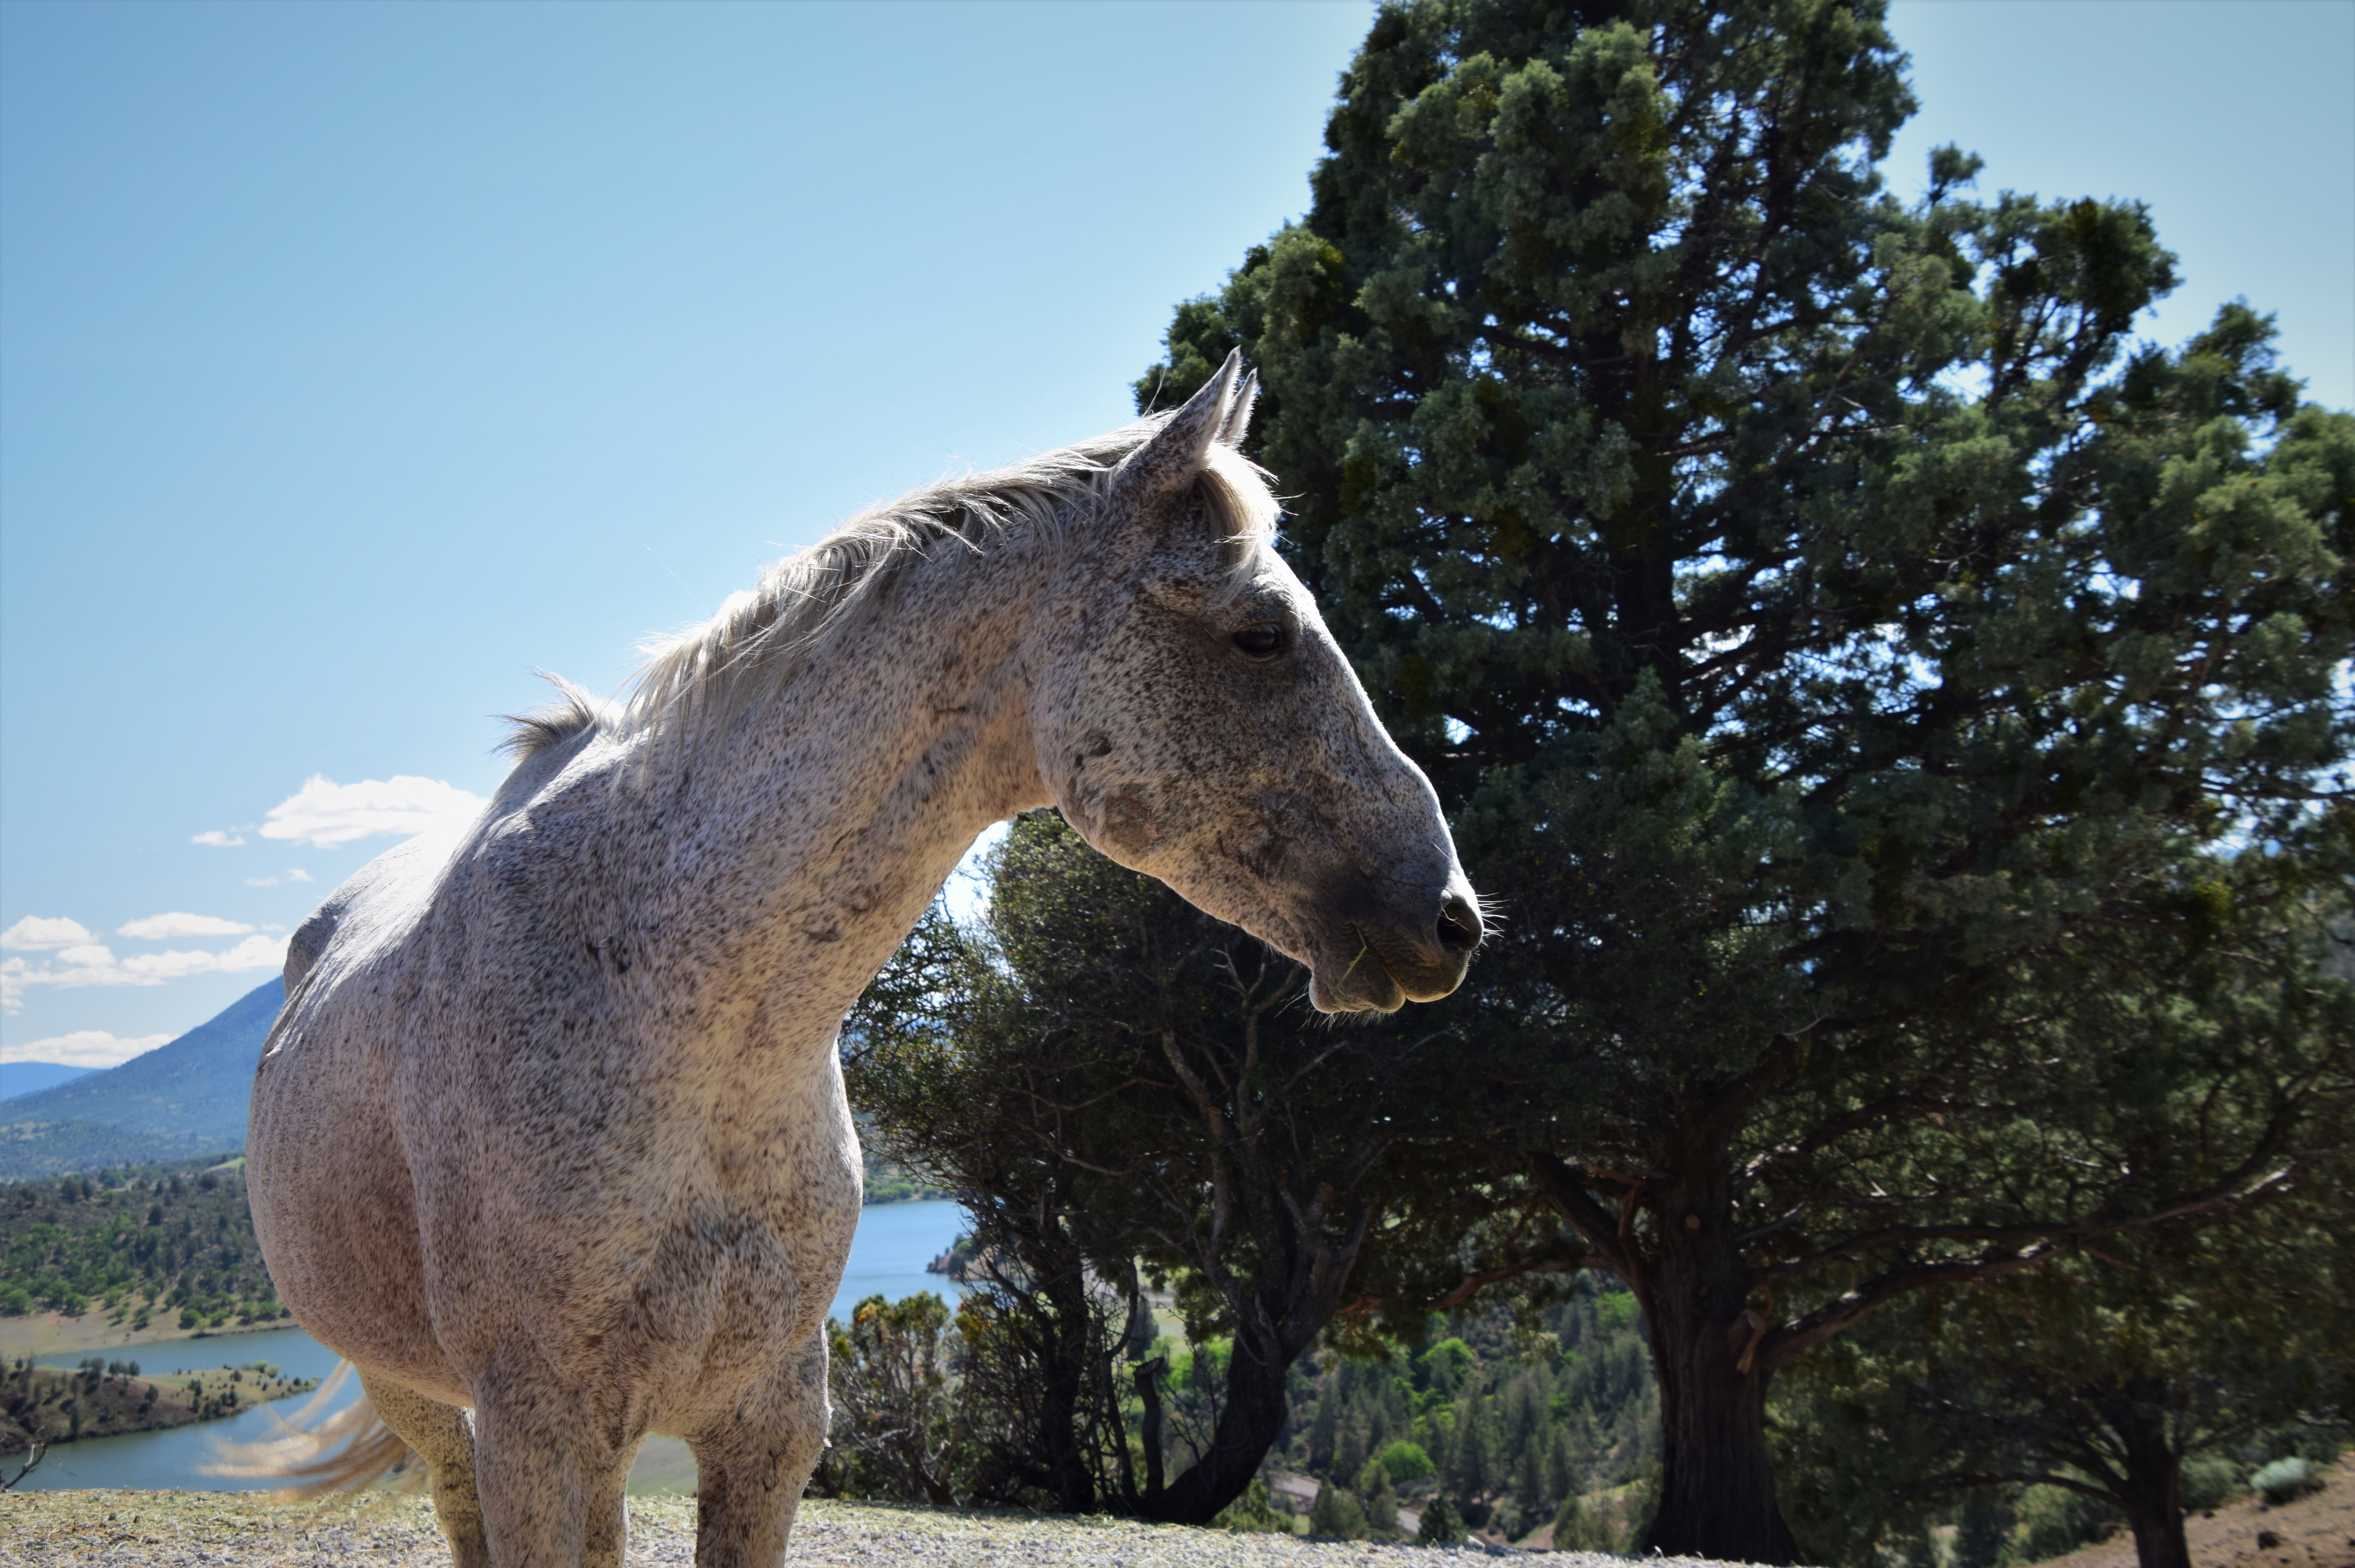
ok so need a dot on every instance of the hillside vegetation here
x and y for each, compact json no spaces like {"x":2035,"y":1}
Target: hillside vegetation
{"x":103,"y":1398}
{"x":174,"y":1242}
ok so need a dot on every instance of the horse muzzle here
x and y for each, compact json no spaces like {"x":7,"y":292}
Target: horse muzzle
{"x":1384,"y":956}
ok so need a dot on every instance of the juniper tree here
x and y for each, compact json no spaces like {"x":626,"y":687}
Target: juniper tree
{"x":1110,"y":1079}
{"x":1843,"y":651}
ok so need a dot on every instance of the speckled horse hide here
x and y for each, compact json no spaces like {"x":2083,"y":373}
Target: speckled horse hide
{"x":551,"y":1129}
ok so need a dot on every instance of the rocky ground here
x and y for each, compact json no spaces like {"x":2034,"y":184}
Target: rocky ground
{"x":180,"y":1529}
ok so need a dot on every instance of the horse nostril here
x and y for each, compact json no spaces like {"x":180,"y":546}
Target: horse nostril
{"x":1459,"y":925}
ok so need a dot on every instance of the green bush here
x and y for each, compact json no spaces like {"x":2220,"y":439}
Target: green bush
{"x":2208,"y":1481}
{"x":1253,"y":1513}
{"x":1405,"y":1461}
{"x":1585,"y":1526}
{"x":2054,"y":1520}
{"x":2286,"y":1481}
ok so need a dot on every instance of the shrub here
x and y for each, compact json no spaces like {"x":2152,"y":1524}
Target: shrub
{"x":1585,"y":1526}
{"x":1405,"y":1461}
{"x":1440,"y":1526}
{"x":2208,"y":1481}
{"x":1253,"y":1513}
{"x":2054,"y":1520}
{"x":2286,"y":1481}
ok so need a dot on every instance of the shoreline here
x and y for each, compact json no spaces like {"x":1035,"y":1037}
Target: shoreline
{"x":52,"y":1334}
{"x":49,"y":1334}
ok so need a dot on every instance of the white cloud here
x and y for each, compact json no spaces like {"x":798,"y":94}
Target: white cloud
{"x":83,"y":1048}
{"x":327,"y":815}
{"x":294,"y":874}
{"x":217,"y":839}
{"x":35,"y":934}
{"x":92,"y":964}
{"x":163,"y":928}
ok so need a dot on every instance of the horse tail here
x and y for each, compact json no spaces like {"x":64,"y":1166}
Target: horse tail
{"x":321,"y":1453}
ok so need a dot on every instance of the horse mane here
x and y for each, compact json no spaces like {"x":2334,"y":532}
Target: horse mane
{"x":702,"y":680}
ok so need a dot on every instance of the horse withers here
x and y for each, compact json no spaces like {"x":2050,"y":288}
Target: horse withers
{"x":550,"y":1140}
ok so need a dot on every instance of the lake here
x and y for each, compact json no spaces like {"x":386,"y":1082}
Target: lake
{"x":888,"y":1254}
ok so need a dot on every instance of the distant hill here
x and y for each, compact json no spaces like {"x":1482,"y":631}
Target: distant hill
{"x":185,"y":1098}
{"x":31,"y":1151}
{"x":25,"y":1077}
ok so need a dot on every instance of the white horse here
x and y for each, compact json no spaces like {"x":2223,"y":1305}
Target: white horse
{"x":551,"y":1129}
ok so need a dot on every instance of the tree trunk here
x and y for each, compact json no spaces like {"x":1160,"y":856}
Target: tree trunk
{"x":1717,"y":1484}
{"x":2159,"y":1538}
{"x":1068,"y":1367}
{"x":2152,"y":1497}
{"x":1247,"y":1428}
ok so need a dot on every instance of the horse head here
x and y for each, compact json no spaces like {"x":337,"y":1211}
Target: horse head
{"x":1195,"y":721}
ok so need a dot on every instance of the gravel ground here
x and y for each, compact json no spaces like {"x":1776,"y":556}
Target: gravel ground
{"x":230,"y":1530}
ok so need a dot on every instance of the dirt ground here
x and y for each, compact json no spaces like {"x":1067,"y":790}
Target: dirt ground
{"x":2315,"y":1531}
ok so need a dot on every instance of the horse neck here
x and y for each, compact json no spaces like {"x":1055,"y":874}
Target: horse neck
{"x":835,"y":815}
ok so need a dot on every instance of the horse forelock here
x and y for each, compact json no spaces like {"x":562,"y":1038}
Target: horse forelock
{"x":699,"y":682}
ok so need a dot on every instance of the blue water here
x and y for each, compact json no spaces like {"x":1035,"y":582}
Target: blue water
{"x":887,"y":1258}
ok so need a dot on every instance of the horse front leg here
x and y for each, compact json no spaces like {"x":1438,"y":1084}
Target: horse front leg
{"x":752,"y":1464}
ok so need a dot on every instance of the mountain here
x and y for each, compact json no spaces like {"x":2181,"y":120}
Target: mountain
{"x":25,"y":1077}
{"x":191,"y":1092}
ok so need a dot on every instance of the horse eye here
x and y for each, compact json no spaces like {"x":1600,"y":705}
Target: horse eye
{"x":1264,"y":640}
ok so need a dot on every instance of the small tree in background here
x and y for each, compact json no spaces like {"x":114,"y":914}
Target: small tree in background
{"x":1110,"y":1079}
{"x":1844,"y":653}
{"x":897,"y":1431}
{"x":2106,"y":1377}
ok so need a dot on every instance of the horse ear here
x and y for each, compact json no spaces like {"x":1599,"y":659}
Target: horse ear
{"x":1172,"y":459}
{"x":1239,"y":413}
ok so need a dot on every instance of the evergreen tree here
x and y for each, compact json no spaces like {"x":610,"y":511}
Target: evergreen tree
{"x":1982,"y":1523}
{"x":1337,"y":1514}
{"x":1112,"y":1080}
{"x":1440,"y":1524}
{"x":1843,"y":653}
{"x":2100,"y":1376}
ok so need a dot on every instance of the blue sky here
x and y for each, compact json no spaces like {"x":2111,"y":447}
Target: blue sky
{"x":357,"y":361}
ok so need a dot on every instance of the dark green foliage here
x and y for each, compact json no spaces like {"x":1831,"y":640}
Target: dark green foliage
{"x":1440,"y":1525}
{"x":1253,"y":1513}
{"x":1507,"y":1422}
{"x":2134,"y":1377}
{"x":1113,"y":1082}
{"x":1894,"y":710}
{"x":1980,"y":1526}
{"x":1337,"y":1515}
{"x":170,"y":1240}
{"x":898,"y":1431}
